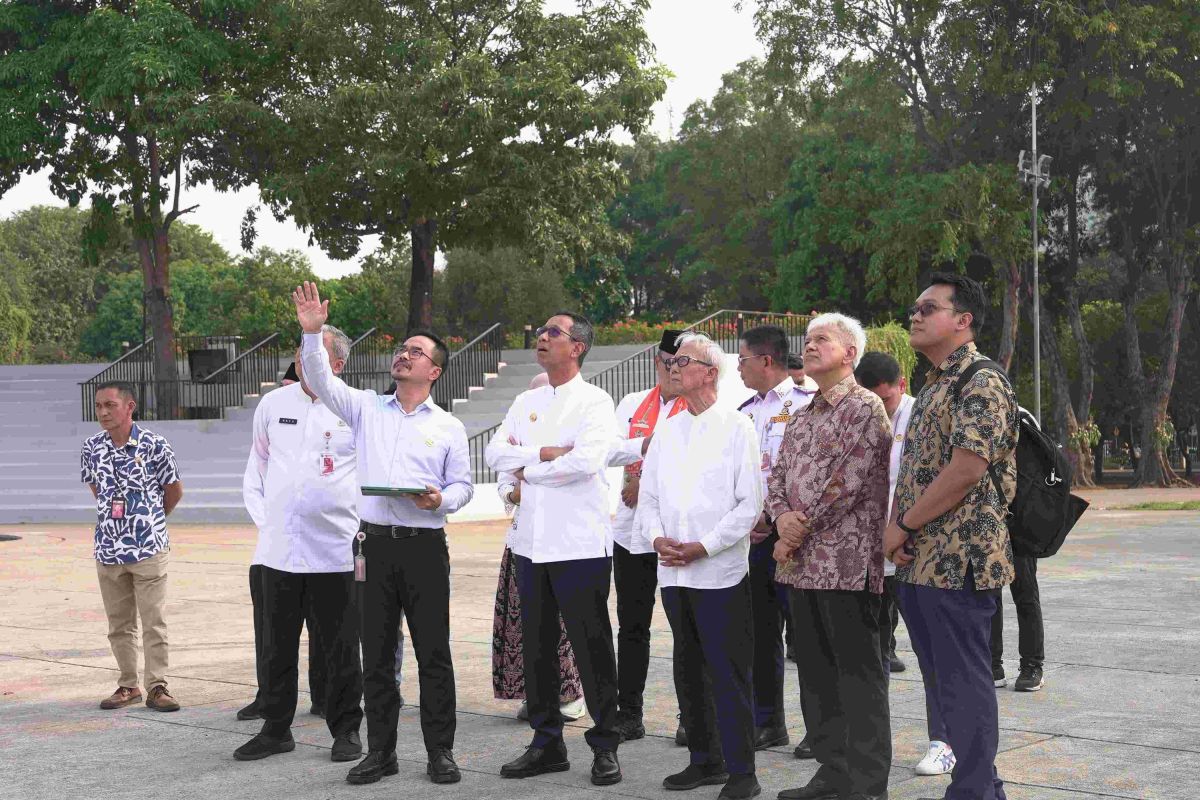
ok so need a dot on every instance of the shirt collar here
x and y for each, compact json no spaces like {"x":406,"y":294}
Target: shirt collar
{"x":570,"y":386}
{"x":427,"y":403}
{"x":953,"y":360}
{"x":134,"y":437}
{"x":784,"y":388}
{"x":838,"y":391}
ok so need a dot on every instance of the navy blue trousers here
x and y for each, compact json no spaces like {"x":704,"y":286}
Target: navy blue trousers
{"x":950,"y":633}
{"x":579,"y":590}
{"x":714,"y":639}
{"x":769,"y":603}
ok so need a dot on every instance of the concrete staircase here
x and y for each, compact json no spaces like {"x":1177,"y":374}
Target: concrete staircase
{"x":41,"y":435}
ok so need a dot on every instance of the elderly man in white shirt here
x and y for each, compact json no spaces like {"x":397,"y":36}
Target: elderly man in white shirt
{"x":413,"y":469}
{"x":556,"y":441}
{"x":299,"y":488}
{"x":701,"y":495}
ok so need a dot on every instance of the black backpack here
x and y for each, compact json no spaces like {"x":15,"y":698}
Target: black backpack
{"x":1043,"y":510}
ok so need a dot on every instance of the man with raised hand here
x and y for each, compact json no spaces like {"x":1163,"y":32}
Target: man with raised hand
{"x":404,"y":441}
{"x":556,"y":441}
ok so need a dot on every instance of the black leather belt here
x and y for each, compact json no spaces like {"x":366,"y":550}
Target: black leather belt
{"x":395,"y":531}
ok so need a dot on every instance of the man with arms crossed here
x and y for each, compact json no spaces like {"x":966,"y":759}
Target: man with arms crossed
{"x":300,"y":489}
{"x":403,"y":440}
{"x":556,"y":441}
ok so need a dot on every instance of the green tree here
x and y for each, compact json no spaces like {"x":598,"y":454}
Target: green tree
{"x":452,"y":125}
{"x":117,"y":101}
{"x":502,"y":285}
{"x":15,"y":323}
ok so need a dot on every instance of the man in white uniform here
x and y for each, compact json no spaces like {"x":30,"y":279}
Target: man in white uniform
{"x":563,"y":436}
{"x":300,"y":488}
{"x":701,"y":494}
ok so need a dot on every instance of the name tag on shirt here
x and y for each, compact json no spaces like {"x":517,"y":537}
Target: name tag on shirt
{"x":288,"y":421}
{"x":784,"y":417}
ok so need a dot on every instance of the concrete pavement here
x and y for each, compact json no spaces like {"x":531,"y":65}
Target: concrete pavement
{"x":1118,"y":717}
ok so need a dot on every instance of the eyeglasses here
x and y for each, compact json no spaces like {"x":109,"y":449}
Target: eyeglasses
{"x":744,"y":358}
{"x":413,"y":353}
{"x":682,"y":361}
{"x":928,"y":308}
{"x":553,"y":331}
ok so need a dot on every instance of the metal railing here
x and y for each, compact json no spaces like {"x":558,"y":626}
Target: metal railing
{"x":369,"y":365}
{"x":229,"y":385}
{"x":725,"y":327}
{"x":134,"y":367}
{"x":468,"y":366}
{"x":480,"y":471}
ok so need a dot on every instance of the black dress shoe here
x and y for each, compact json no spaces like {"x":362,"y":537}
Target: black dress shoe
{"x":249,"y":712}
{"x":606,"y":770}
{"x":630,"y":728}
{"x":538,"y":760}
{"x":317,"y":711}
{"x":740,"y":787}
{"x":262,"y":746}
{"x":804,"y":749}
{"x":346,"y":747}
{"x":895,"y":663}
{"x":373,"y":767}
{"x":441,"y":767}
{"x":696,"y":775}
{"x":773,"y":736}
{"x":814,"y":790}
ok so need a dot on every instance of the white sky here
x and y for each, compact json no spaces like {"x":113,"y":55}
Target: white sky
{"x":698,"y":40}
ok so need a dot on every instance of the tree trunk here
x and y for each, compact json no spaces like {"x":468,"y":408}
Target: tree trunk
{"x":1083,"y":408}
{"x":1065,"y":424}
{"x":1012,"y":315}
{"x":154,"y":253}
{"x":424,"y":245}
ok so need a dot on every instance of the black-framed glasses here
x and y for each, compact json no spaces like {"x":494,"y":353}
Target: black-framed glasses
{"x":553,"y":331}
{"x":928,"y":308}
{"x":682,"y":361}
{"x":413,"y":353}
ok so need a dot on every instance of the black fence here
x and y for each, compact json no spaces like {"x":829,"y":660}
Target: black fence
{"x":480,"y":471}
{"x":369,"y":365}
{"x":468,"y":365}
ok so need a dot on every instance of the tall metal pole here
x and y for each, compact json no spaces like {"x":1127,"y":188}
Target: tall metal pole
{"x":1037,"y":302}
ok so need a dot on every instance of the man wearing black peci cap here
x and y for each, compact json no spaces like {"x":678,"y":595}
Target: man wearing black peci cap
{"x":635,"y":568}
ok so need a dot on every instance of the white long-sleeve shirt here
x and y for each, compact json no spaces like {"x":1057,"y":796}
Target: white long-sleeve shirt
{"x":395,"y":448}
{"x":701,"y":483}
{"x":564,"y":502}
{"x":300,"y":485}
{"x":625,"y":452}
{"x":899,"y":428}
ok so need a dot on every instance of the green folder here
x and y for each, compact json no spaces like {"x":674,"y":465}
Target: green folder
{"x":392,"y":491}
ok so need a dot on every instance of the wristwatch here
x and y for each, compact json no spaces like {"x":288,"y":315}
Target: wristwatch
{"x":900,"y":524}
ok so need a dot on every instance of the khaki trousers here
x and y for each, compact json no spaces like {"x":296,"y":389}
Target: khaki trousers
{"x":130,"y":590}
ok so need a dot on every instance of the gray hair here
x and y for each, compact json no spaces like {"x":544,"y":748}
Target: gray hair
{"x":340,"y":342}
{"x":582,"y":331}
{"x":712,"y":351}
{"x":851,"y":330}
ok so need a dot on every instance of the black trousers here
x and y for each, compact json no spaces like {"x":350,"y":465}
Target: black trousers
{"x":1031,"y":636}
{"x":889,"y":618}
{"x":410,"y":575}
{"x":579,"y":590}
{"x":330,"y":596}
{"x":636,"y":578}
{"x":713,"y":665}
{"x":316,"y":661}
{"x":846,"y":712}
{"x":769,"y":603}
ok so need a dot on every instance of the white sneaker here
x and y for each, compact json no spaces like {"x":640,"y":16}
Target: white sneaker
{"x":938,"y":761}
{"x":573,"y":710}
{"x":523,"y":711}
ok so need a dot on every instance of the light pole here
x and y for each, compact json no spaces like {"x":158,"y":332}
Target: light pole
{"x":1036,"y":172}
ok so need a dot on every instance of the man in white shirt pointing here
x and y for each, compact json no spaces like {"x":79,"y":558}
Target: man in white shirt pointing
{"x":299,"y":488}
{"x":701,"y":495}
{"x":404,"y":441}
{"x":563,"y":546}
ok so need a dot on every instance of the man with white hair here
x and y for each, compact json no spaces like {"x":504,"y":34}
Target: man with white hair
{"x":701,"y":494}
{"x":827,"y":495}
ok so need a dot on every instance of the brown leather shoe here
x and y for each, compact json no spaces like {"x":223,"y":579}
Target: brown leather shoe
{"x":160,"y":699}
{"x":122,"y":697}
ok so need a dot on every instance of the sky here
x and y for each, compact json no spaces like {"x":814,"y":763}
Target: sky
{"x":697,"y":40}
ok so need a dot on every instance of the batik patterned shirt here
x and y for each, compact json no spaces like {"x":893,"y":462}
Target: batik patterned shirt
{"x":982,"y":420}
{"x":137,"y":474}
{"x":833,"y":468}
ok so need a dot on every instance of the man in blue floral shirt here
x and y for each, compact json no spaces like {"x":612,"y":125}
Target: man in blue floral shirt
{"x":133,"y":476}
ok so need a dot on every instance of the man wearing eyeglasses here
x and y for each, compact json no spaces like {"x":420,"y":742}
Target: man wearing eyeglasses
{"x":763,"y":365}
{"x":948,"y":536}
{"x":556,"y":440}
{"x":635,"y":566}
{"x":701,"y":494}
{"x":403,"y":441}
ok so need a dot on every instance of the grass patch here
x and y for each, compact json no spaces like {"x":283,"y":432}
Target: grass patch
{"x":1165,"y":505}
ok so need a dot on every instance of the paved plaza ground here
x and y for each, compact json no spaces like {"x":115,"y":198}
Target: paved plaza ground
{"x":1120,"y":715}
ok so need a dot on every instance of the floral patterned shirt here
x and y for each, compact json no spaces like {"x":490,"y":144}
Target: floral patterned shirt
{"x":833,"y":468}
{"x":982,"y":420}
